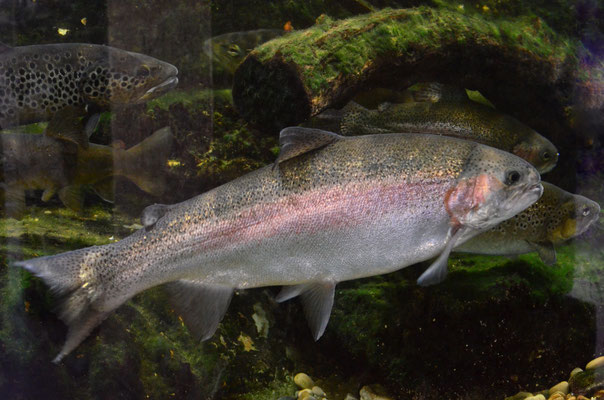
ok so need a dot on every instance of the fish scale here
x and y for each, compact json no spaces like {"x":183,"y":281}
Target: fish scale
{"x":345,"y":209}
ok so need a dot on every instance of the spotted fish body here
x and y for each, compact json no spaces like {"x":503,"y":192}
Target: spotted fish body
{"x":555,"y":218}
{"x":330,"y":209}
{"x":38,"y":81}
{"x":466,"y":120}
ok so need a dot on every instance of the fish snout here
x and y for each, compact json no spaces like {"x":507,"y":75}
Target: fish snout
{"x":586,"y":213}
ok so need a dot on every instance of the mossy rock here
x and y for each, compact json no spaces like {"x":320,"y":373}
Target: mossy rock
{"x":431,"y":342}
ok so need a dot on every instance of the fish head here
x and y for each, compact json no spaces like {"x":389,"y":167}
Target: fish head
{"x":227,"y":50}
{"x":123,"y":77}
{"x":574,"y":216}
{"x":537,"y":150}
{"x":230,"y":49}
{"x":493,"y":187}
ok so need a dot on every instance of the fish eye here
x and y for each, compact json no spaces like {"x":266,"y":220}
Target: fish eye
{"x":585,"y":211}
{"x":512,"y":177}
{"x":546,"y":155}
{"x":143,"y":71}
{"x":234,"y":50}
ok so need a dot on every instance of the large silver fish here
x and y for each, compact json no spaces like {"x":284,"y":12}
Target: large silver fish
{"x":557,"y":217}
{"x":38,"y":81}
{"x":330,"y":209}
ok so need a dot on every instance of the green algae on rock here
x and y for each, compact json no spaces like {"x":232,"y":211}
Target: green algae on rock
{"x":289,"y":79}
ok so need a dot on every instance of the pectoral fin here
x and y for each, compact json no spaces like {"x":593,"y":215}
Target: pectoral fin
{"x":437,"y":272}
{"x":296,"y":141}
{"x":317,"y":300}
{"x":48,"y":193}
{"x":91,"y":125}
{"x":546,"y":252}
{"x":200,"y":305}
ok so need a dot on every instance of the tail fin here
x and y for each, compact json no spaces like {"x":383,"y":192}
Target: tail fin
{"x":143,"y":163}
{"x":74,"y":277}
{"x":354,"y":119}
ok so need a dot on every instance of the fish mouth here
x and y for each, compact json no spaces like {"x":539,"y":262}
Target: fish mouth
{"x":160,"y":89}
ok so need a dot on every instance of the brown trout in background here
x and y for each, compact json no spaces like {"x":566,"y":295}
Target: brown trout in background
{"x":230,"y":49}
{"x":556,"y":217}
{"x":330,"y":209}
{"x":38,"y":81}
{"x":453,"y":115}
{"x":31,"y":161}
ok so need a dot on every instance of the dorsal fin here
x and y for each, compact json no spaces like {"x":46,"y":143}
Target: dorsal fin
{"x":153,"y":213}
{"x":295,"y":141}
{"x":434,"y":91}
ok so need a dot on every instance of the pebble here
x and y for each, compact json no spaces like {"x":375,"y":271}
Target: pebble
{"x":318,"y":391}
{"x":537,"y":397}
{"x":599,"y":394}
{"x":350,"y":397}
{"x":557,"y":396}
{"x":520,"y":396}
{"x":595,"y":363}
{"x":560,"y":387}
{"x":303,"y":381}
{"x":304,"y":393}
{"x":286,"y":398}
{"x":575,"y":371}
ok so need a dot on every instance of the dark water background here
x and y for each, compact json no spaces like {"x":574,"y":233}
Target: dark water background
{"x":496,"y":327}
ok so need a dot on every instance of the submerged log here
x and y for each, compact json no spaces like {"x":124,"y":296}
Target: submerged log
{"x":521,"y":65}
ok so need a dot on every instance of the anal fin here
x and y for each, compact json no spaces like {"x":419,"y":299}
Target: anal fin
{"x":200,"y":305}
{"x":317,"y":300}
{"x":546,"y":252}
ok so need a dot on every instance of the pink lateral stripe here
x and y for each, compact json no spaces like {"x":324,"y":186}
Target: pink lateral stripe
{"x":318,"y":210}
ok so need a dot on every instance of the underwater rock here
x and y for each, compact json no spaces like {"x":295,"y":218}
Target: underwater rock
{"x":560,"y":387}
{"x":595,"y":363}
{"x":587,"y":382}
{"x":520,"y":396}
{"x":369,"y":393}
{"x":303,"y":381}
{"x":537,"y":397}
{"x":318,"y":391}
{"x":289,"y":79}
{"x":574,"y":372}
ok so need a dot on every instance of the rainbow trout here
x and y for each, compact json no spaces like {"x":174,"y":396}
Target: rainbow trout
{"x":330,"y":209}
{"x":31,"y":161}
{"x":38,"y":81}
{"x":462,"y":119}
{"x":556,"y":217}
